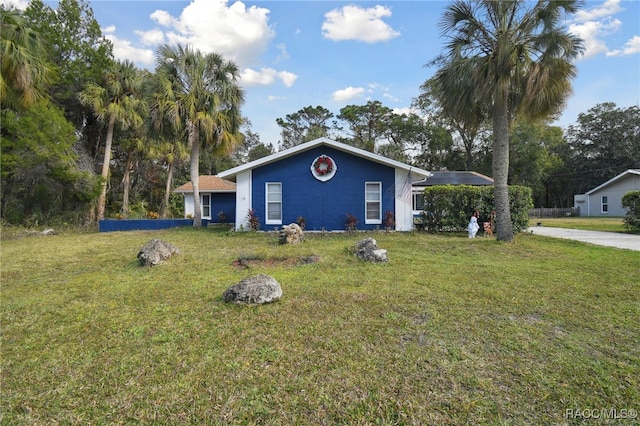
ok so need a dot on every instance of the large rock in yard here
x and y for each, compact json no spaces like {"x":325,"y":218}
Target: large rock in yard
{"x":291,"y":234}
{"x":156,"y":252}
{"x":256,"y":290}
{"x":368,"y":251}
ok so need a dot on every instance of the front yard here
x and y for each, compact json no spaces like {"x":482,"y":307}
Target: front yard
{"x":450,"y":331}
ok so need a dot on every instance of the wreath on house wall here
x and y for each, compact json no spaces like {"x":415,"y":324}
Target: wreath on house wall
{"x":323,"y":167}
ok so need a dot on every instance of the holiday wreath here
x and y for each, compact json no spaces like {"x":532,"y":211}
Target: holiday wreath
{"x":323,"y":165}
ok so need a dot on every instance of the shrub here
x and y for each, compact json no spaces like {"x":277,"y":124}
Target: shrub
{"x":302,"y":222}
{"x":254,"y":220}
{"x":389,"y":220}
{"x":631,"y":202}
{"x":448,"y":207}
{"x":351,"y":222}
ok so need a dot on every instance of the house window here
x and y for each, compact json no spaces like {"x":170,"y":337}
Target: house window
{"x":604,"y":204}
{"x":206,"y":206}
{"x":418,"y":201}
{"x":373,"y":203}
{"x":274,"y":203}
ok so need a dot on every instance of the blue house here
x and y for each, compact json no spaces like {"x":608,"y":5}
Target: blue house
{"x":217,"y":199}
{"x":322,"y":181}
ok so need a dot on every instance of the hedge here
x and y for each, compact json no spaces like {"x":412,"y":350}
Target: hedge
{"x":448,"y":208}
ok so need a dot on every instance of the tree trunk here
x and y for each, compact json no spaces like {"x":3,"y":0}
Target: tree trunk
{"x":194,"y":143}
{"x":126,"y":183}
{"x":102,"y":199}
{"x":500,"y":167}
{"x":468,"y":151}
{"x":167,"y":191}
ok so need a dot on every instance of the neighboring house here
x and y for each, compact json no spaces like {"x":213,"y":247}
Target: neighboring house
{"x":446,"y":178}
{"x":321,"y":181}
{"x":606,"y":199}
{"x":216,"y":196}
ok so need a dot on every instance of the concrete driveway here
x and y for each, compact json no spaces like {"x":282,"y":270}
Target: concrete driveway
{"x":610,"y":239}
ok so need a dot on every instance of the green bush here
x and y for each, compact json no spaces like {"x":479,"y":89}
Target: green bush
{"x":448,"y":207}
{"x":631,"y":202}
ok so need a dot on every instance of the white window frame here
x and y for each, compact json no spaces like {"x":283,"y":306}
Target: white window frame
{"x":414,"y":203}
{"x":207,"y":205}
{"x":268,"y":201}
{"x":378,"y":220}
{"x":604,"y":204}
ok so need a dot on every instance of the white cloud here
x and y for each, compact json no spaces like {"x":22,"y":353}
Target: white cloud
{"x":355,"y":23}
{"x":377,"y":86}
{"x":266,"y":77}
{"x":405,"y":110}
{"x":593,"y":32}
{"x":390,"y":97}
{"x":15,"y":4}
{"x":239,"y":33}
{"x":123,"y":49}
{"x":288,"y":78}
{"x":608,"y":8}
{"x":348,"y":93}
{"x":283,"y":55}
{"x":163,"y":18}
{"x":150,"y":38}
{"x":596,"y":24}
{"x":631,"y":48}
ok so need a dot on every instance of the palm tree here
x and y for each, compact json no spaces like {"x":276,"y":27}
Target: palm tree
{"x":514,"y":59}
{"x":116,"y":101}
{"x":24,"y":74}
{"x":200,"y":94}
{"x":171,"y":153}
{"x":134,"y":147}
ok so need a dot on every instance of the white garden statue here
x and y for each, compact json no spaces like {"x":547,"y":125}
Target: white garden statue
{"x":473,"y":226}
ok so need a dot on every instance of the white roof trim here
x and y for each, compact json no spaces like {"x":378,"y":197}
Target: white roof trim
{"x":612,"y":180}
{"x":328,"y":142}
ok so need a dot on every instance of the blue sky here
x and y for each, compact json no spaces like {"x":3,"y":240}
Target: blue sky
{"x":332,"y":53}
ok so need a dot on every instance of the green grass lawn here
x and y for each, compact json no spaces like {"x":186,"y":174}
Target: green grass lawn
{"x":607,"y":224}
{"x":451,"y":331}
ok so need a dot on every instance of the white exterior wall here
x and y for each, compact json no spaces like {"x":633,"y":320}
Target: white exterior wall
{"x":189,"y":205}
{"x":580,"y":202}
{"x":243,"y":198}
{"x":404,"y":201}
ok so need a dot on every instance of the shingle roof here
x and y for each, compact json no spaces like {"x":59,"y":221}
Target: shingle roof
{"x":456,"y":178}
{"x":614,"y":179}
{"x":208,"y":183}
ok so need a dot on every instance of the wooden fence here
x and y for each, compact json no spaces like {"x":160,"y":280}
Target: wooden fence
{"x":555,"y":212}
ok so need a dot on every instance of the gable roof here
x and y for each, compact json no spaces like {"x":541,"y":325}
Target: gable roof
{"x":208,"y":183}
{"x":232,"y":173}
{"x":456,"y":178}
{"x":615,"y":179}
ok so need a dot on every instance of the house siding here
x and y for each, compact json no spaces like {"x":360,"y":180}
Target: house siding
{"x":324,"y":205}
{"x":614,"y":193}
{"x":220,"y":202}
